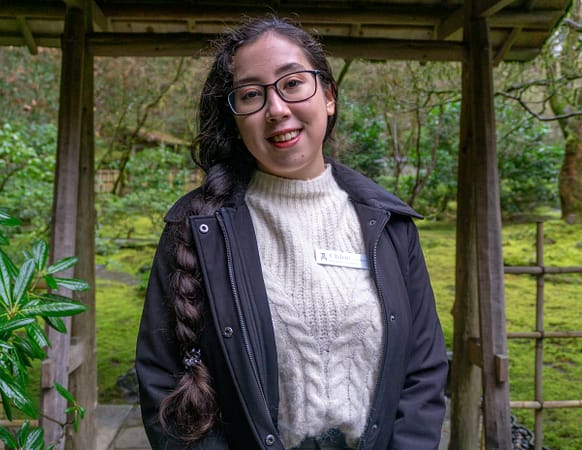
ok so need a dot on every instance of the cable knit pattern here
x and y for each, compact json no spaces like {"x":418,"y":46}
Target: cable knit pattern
{"x":327,"y":319}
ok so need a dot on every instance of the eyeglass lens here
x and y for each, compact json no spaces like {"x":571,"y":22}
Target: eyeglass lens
{"x":293,"y":87}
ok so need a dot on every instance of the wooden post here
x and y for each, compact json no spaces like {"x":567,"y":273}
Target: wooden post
{"x":539,"y":358}
{"x":465,"y":377}
{"x":83,"y":380}
{"x":64,"y":218}
{"x":496,"y":416}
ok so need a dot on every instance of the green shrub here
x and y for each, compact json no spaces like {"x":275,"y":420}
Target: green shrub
{"x":27,"y":301}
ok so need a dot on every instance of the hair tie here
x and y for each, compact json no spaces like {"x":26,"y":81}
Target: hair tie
{"x":192,"y":358}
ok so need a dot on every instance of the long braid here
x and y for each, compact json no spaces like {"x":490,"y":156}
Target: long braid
{"x":190,"y":411}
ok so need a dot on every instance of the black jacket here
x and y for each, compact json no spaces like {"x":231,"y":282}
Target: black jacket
{"x":238,"y":344}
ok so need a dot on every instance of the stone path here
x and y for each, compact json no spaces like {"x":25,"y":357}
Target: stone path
{"x":119,"y":427}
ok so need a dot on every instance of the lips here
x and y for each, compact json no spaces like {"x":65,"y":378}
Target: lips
{"x":284,"y":137}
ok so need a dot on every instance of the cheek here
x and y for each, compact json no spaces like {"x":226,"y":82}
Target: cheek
{"x":245,"y":128}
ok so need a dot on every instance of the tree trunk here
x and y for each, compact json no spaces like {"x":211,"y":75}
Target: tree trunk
{"x":570,"y":181}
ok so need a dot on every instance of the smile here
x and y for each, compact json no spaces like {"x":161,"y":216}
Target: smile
{"x":285,"y":136}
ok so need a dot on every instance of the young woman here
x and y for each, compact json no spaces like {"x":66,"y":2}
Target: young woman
{"x":289,"y":306}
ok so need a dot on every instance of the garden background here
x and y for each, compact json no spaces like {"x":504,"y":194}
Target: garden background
{"x":398,"y":124}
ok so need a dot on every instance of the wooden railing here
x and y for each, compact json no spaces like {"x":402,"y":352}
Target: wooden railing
{"x":538,"y":404}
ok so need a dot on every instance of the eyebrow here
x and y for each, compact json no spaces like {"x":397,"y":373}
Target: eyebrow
{"x":289,"y":67}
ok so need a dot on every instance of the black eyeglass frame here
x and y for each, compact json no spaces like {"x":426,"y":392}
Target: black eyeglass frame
{"x":314,"y":72}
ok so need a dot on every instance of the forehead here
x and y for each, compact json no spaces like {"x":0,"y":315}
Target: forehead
{"x":269,"y":56}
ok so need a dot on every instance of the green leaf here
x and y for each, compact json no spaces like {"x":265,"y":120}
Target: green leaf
{"x":50,"y":297}
{"x":12,"y":269}
{"x":23,"y":281}
{"x":73,"y":284}
{"x":56,"y":323}
{"x":6,"y":405}
{"x":50,"y":281}
{"x":7,"y":220}
{"x":62,"y":264}
{"x":64,"y":393}
{"x":38,"y":336}
{"x":15,"y":324}
{"x":7,"y":437}
{"x":40,"y":253}
{"x":17,"y":394}
{"x":79,"y":415}
{"x":5,"y":281}
{"x":22,"y":433}
{"x":55,"y":309}
{"x":34,"y":439}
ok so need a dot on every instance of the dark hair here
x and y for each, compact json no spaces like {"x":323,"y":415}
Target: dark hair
{"x":190,"y":410}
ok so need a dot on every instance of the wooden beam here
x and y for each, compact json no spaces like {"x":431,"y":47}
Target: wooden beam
{"x":493,"y":337}
{"x":147,"y":44}
{"x":465,"y":370}
{"x":451,"y":24}
{"x":27,"y":35}
{"x":542,"y":19}
{"x":78,"y":352}
{"x":99,"y":19}
{"x":83,"y":381}
{"x":188,"y":44}
{"x":507,"y":44}
{"x":64,"y":215}
{"x":33,"y":10}
{"x":392,"y":49}
{"x":422,"y":16}
{"x":41,"y":41}
{"x":486,"y":8}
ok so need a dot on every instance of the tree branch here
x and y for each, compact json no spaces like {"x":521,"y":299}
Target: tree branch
{"x":526,"y":107}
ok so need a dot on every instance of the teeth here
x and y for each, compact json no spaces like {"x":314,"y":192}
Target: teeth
{"x":285,"y":137}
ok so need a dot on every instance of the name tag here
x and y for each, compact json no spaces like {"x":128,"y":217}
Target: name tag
{"x":343,"y":259}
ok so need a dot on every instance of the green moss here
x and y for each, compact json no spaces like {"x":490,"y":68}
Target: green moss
{"x":118,"y":314}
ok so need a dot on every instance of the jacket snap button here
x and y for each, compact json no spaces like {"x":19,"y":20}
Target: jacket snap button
{"x":227,"y":332}
{"x":374,"y":428}
{"x":372,"y":222}
{"x":203,"y":228}
{"x":392,"y":317}
{"x":269,"y":439}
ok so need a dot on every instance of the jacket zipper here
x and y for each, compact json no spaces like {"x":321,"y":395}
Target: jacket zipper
{"x":384,"y":317}
{"x":242,"y":322}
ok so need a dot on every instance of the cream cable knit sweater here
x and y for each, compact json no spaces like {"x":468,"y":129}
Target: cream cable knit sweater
{"x":327,"y":319}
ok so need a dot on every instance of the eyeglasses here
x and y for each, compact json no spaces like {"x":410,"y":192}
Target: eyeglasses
{"x":294,"y":87}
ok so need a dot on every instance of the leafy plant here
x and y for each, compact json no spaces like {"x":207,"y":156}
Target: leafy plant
{"x":26,"y":303}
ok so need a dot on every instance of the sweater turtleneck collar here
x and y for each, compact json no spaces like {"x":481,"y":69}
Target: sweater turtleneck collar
{"x":278,"y":187}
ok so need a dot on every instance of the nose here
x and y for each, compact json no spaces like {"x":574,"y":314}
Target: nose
{"x":276,"y":108}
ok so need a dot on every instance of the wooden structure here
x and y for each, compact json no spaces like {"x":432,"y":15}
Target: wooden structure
{"x":479,"y":33}
{"x":540,"y":270}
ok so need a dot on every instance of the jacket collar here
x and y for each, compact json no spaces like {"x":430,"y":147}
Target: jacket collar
{"x":361,"y":190}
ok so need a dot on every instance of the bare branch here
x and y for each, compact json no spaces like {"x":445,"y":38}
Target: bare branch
{"x":525,"y":106}
{"x":344,"y":71}
{"x":572,"y":24}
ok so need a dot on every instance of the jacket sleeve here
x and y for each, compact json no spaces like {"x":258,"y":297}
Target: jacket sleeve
{"x":158,"y":359}
{"x":422,"y":405}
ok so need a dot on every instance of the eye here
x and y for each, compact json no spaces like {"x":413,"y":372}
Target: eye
{"x":249,"y":94}
{"x":293,"y":82}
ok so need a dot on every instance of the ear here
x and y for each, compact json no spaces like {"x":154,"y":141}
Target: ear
{"x":329,"y":102}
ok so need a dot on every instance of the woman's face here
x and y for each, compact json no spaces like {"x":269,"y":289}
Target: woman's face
{"x":286,"y":139}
